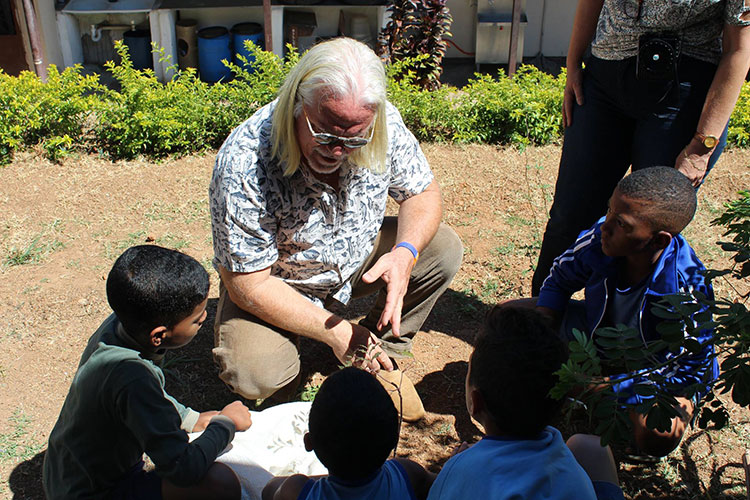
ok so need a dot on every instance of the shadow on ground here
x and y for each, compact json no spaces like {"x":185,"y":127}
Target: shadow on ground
{"x":26,"y":479}
{"x":442,"y":392}
{"x":648,"y":481}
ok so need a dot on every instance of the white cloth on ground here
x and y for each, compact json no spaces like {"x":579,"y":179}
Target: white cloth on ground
{"x":272,"y":446}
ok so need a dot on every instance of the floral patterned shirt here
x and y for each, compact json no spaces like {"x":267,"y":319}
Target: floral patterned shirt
{"x":699,"y":23}
{"x":312,"y":236}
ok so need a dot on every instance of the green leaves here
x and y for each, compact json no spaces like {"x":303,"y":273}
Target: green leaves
{"x":53,"y":113}
{"x":520,"y":111}
{"x":73,"y":112}
{"x":416,"y":31}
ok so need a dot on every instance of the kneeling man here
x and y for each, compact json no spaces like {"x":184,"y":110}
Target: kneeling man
{"x":298,"y":201}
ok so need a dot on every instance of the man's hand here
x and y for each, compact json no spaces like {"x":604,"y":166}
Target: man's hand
{"x":573,"y":93}
{"x":239,"y":414}
{"x":693,"y":162}
{"x":360,"y":346}
{"x":394,"y":268}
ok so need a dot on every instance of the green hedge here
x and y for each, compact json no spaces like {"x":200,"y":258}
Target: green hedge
{"x":72,"y":112}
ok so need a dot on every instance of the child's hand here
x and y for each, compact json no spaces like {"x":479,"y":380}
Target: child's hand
{"x":203,"y":420}
{"x":239,"y":413}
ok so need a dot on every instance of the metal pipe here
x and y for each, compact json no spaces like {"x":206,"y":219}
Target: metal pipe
{"x":36,"y":41}
{"x":515,"y":27}
{"x":96,"y":29}
{"x":267,"y":28}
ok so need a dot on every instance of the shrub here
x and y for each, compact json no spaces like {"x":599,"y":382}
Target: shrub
{"x":522,"y":110}
{"x":146,"y":117}
{"x":52,"y":113}
{"x":739,"y":123}
{"x":185,"y":115}
{"x":256,"y":84}
{"x":74,"y":112}
{"x":428,"y":114}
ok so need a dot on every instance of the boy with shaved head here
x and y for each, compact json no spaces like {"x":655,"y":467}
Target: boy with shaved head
{"x":626,"y":263}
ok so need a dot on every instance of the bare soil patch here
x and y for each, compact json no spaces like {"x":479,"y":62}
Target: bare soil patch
{"x":68,"y":223}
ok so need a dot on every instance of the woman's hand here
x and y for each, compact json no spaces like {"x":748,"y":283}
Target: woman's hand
{"x":573,"y":93}
{"x":693,"y":162}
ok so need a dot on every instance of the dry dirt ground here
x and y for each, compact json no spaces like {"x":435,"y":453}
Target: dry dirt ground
{"x":63,"y":226}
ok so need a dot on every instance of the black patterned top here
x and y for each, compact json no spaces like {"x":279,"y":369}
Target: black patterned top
{"x":699,"y":23}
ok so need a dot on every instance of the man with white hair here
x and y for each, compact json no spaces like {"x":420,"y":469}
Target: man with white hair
{"x":298,"y":199}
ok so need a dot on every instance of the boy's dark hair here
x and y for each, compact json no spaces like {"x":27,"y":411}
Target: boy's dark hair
{"x":513,"y":366}
{"x":353,"y":424}
{"x":151,"y":286}
{"x":670,"y":196}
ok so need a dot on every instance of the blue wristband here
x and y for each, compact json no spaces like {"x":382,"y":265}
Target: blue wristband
{"x":409,"y":247}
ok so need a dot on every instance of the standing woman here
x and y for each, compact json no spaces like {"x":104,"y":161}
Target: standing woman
{"x":658,"y":89}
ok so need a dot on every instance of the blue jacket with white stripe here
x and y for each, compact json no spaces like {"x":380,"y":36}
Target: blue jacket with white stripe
{"x":678,"y":270}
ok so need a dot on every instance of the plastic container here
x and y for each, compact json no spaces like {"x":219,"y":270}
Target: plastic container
{"x":187,"y":43}
{"x":360,"y":29}
{"x":242,"y":32}
{"x":139,"y":48}
{"x":214,"y":45}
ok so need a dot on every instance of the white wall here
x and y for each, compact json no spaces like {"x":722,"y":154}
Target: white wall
{"x":557,"y":16}
{"x":463,"y":28}
{"x":558,"y":26}
{"x":47,"y":24}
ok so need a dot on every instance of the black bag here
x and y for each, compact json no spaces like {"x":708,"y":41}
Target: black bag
{"x":658,"y":55}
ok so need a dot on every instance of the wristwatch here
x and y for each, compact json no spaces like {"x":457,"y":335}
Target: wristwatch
{"x":708,"y":141}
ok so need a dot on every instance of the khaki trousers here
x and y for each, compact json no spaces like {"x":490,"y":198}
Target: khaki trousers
{"x":257,"y":359}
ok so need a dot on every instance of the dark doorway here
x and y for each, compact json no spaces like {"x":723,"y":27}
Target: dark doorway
{"x":12,"y":49}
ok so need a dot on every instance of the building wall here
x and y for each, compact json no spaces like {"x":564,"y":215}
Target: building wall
{"x":47,"y":23}
{"x":550,"y":23}
{"x":547,"y":31}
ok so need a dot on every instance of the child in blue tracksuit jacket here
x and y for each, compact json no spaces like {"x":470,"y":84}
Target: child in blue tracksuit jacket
{"x":626,"y":263}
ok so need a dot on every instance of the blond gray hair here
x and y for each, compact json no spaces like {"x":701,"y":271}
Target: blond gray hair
{"x":334,"y":69}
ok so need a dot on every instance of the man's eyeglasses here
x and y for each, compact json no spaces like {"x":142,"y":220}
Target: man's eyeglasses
{"x":323,"y":138}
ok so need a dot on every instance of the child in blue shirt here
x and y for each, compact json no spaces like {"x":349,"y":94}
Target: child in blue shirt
{"x":626,"y":263}
{"x":353,"y":428}
{"x":511,"y":372}
{"x":117,"y":408}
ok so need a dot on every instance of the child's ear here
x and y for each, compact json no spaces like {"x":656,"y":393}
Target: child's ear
{"x":475,"y":402}
{"x":661,"y":240}
{"x":157,"y":336}
{"x":307,"y":441}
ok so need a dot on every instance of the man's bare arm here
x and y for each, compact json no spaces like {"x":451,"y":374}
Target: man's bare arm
{"x":418,"y":221}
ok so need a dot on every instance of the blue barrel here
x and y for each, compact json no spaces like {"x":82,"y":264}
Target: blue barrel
{"x":242,"y":32}
{"x":214,"y":45}
{"x":139,"y":48}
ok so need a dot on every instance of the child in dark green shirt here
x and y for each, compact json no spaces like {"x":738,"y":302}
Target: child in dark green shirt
{"x":117,"y":408}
